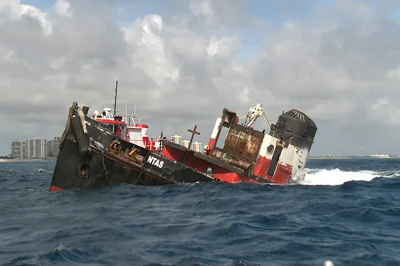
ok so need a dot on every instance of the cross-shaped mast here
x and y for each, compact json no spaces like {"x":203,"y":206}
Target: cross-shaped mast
{"x":193,"y":131}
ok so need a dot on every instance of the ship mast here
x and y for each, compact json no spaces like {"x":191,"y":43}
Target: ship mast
{"x":115,"y":97}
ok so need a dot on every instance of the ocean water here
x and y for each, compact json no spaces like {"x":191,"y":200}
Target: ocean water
{"x":346,"y":211}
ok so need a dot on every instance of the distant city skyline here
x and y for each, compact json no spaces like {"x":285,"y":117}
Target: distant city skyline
{"x":43,"y":148}
{"x":35,"y":148}
{"x":196,"y":146}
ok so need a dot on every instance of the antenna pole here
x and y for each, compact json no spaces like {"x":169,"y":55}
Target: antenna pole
{"x":115,"y":98}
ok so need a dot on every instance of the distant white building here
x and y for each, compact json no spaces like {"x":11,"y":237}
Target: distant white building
{"x":52,"y":147}
{"x":196,"y":146}
{"x":176,"y":139}
{"x":18,"y":149}
{"x":36,"y":148}
{"x":185,"y":143}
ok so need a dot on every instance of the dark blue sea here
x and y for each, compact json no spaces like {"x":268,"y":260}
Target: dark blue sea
{"x":346,"y":211}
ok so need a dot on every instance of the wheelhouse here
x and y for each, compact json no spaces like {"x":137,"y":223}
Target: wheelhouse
{"x":111,"y":122}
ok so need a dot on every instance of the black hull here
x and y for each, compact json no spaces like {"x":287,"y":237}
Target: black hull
{"x":92,"y":157}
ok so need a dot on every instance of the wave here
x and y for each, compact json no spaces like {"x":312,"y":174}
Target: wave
{"x":334,"y":177}
{"x":61,"y":255}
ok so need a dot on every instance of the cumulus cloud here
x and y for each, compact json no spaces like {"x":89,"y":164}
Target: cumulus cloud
{"x":181,"y":63}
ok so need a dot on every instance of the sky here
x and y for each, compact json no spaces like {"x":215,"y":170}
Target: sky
{"x":180,"y":62}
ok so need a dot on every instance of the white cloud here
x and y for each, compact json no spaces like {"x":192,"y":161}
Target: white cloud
{"x":386,"y":111}
{"x":63,"y":8}
{"x":340,"y":67}
{"x":16,"y":11}
{"x":224,"y":47}
{"x":356,"y":9}
{"x":202,"y":8}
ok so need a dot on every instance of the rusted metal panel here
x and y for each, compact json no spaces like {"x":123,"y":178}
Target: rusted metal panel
{"x":241,"y":146}
{"x":243,"y":143}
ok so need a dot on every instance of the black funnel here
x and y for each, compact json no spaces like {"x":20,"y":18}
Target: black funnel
{"x":295,"y":128}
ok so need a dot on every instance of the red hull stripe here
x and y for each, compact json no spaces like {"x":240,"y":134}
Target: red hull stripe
{"x":110,"y":121}
{"x":282,"y":174}
{"x":211,"y":143}
{"x":55,"y":188}
{"x":141,"y":125}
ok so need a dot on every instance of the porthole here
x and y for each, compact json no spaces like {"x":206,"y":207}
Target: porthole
{"x":84,"y":169}
{"x":270,"y":149}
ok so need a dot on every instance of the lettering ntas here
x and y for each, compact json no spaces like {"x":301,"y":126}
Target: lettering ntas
{"x":154,"y":161}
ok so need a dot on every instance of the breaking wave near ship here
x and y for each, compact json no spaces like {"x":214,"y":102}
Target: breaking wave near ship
{"x":334,"y":172}
{"x":336,"y":176}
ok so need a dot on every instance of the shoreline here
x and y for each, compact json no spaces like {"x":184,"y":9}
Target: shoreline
{"x":354,"y":157}
{"x":25,"y":160}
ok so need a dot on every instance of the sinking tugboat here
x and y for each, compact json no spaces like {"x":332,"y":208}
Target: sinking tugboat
{"x":91,"y":155}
